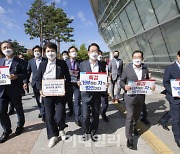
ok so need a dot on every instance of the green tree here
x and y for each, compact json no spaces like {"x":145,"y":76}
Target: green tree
{"x":82,"y":53}
{"x":48,"y":23}
{"x":34,"y":26}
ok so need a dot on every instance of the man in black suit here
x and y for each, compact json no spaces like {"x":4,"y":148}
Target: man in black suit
{"x":91,"y":101}
{"x":134,"y":103}
{"x":104,"y":97}
{"x":32,"y":68}
{"x":173,"y":72}
{"x":13,"y":92}
{"x":74,"y":70}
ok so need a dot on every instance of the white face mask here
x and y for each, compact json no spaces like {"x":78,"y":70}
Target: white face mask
{"x":137,"y":61}
{"x":74,"y":54}
{"x":37,"y":54}
{"x":51,"y":55}
{"x":93,"y":56}
{"x":99,"y":57}
{"x":7,"y":52}
{"x":65,"y":57}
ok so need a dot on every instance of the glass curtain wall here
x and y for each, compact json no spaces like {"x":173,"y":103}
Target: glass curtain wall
{"x":148,"y":25}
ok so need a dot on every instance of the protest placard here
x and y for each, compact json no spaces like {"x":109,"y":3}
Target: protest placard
{"x":91,"y":81}
{"x":141,"y":87}
{"x":4,"y":73}
{"x":175,"y":86}
{"x":53,"y":87}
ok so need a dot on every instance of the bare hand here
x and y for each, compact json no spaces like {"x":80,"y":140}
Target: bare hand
{"x":78,"y":83}
{"x":41,"y":93}
{"x":127,"y":87}
{"x":153,"y":88}
{"x":12,"y":77}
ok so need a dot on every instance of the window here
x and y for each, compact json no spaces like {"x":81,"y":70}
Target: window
{"x":171,"y":33}
{"x":165,"y":9}
{"x":134,"y":18}
{"x":119,"y":28}
{"x":146,"y":13}
{"x":158,"y":46}
{"x":144,"y":46}
{"x":115,"y":32}
{"x":126,"y":24}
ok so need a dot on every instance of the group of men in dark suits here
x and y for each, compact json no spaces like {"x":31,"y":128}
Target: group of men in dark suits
{"x":87,"y":112}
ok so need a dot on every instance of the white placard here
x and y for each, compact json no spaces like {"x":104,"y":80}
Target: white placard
{"x":4,"y":73}
{"x":91,"y":81}
{"x":141,"y":87}
{"x":175,"y":86}
{"x":53,"y":87}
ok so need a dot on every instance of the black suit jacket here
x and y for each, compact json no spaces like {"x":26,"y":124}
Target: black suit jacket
{"x":62,"y":72}
{"x":32,"y":68}
{"x":171,"y":72}
{"x":85,"y":67}
{"x":18,"y":67}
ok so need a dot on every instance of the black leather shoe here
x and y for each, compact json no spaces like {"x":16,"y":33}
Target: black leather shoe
{"x":11,"y":112}
{"x":145,"y":121}
{"x":94,"y":137}
{"x":18,"y":131}
{"x":104,"y":117}
{"x":130,"y":143}
{"x":135,"y":132}
{"x":178,"y":143}
{"x":164,"y":126}
{"x":5,"y":136}
{"x":39,"y":116}
{"x":85,"y":137}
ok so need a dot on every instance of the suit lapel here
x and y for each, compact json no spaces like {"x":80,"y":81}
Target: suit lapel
{"x":44,"y":67}
{"x":13,"y":65}
{"x":34,"y":63}
{"x":88,"y":66}
{"x":58,"y":69}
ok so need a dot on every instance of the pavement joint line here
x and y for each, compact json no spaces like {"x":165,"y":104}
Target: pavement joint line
{"x":152,"y":140}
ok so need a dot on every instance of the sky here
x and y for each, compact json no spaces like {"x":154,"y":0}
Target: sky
{"x":13,"y":16}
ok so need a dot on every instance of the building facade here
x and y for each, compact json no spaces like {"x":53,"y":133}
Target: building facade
{"x":152,"y":26}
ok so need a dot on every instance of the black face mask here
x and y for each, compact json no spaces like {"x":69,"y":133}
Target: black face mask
{"x":116,"y":57}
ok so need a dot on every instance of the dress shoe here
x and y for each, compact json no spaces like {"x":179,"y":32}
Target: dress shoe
{"x":178,"y":143}
{"x":164,"y":126}
{"x":39,"y":116}
{"x":135,"y":132}
{"x":5,"y":136}
{"x":130,"y":143}
{"x":63,"y":135}
{"x":43,"y":119}
{"x":11,"y":112}
{"x":52,"y":141}
{"x":94,"y":137}
{"x":145,"y":121}
{"x":85,"y":137}
{"x":18,"y":130}
{"x":104,"y":117}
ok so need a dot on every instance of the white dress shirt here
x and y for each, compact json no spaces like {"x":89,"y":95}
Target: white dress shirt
{"x":94,"y":67}
{"x":38,"y":61}
{"x":138,"y":71}
{"x":50,"y":72}
{"x":117,"y":62}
